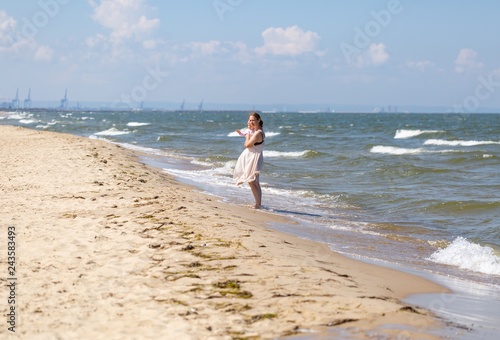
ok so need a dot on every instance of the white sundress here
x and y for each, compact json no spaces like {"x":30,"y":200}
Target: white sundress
{"x":249,"y":164}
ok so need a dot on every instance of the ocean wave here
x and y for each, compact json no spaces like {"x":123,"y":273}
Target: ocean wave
{"x":268,"y":134}
{"x":469,"y":256}
{"x":464,"y":206}
{"x":392,"y":150}
{"x":112,"y":132}
{"x":226,"y":169}
{"x":133,"y":124}
{"x":236,"y":134}
{"x":289,"y":154}
{"x":18,"y":116}
{"x":458,"y":142}
{"x":27,"y":121}
{"x":147,"y":150}
{"x":202,"y":163}
{"x":404,"y":134}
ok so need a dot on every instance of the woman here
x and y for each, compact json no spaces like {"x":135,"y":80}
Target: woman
{"x":250,"y":162}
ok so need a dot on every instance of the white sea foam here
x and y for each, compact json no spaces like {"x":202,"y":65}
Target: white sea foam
{"x":285,"y":154}
{"x":235,"y":134}
{"x":219,"y":179}
{"x":404,"y":134}
{"x":137,"y":124}
{"x":27,"y":121}
{"x":226,"y":169}
{"x":112,"y":132}
{"x":469,"y":256}
{"x":149,"y":151}
{"x":143,"y":149}
{"x":392,"y":150}
{"x":22,"y":115}
{"x":458,"y":142}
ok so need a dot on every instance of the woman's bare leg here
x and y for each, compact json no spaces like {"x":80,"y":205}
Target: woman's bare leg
{"x":256,"y":191}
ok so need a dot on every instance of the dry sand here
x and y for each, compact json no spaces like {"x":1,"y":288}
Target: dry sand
{"x":109,"y":248}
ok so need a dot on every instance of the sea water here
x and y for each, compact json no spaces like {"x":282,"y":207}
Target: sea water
{"x":415,"y":190}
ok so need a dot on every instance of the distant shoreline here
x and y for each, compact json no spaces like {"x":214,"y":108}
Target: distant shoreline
{"x":5,"y":111}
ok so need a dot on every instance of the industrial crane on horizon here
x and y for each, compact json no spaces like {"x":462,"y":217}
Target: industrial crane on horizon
{"x":15,"y":101}
{"x":27,"y":101}
{"x":64,"y":101}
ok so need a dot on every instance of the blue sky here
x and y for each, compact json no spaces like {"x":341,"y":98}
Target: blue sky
{"x":263,"y":53}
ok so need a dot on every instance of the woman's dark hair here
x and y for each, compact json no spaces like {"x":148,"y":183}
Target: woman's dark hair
{"x":257,"y":116}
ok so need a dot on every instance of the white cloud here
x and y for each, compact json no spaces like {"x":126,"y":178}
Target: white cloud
{"x":10,"y":39}
{"x":7,"y":26}
{"x":94,"y":41}
{"x":44,"y":53}
{"x":7,"y":23}
{"x":240,"y":52}
{"x":125,"y":19}
{"x":151,"y":44}
{"x":208,"y":51}
{"x":466,"y":61}
{"x":375,"y":55}
{"x":206,"y":48}
{"x":421,"y":65}
{"x":287,"y":41}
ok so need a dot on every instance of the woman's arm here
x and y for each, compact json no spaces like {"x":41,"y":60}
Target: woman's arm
{"x":251,"y":140}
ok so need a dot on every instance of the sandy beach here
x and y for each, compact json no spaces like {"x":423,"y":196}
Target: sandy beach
{"x":108,"y":247}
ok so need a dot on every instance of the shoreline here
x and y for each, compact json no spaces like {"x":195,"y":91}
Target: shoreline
{"x":109,"y":246}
